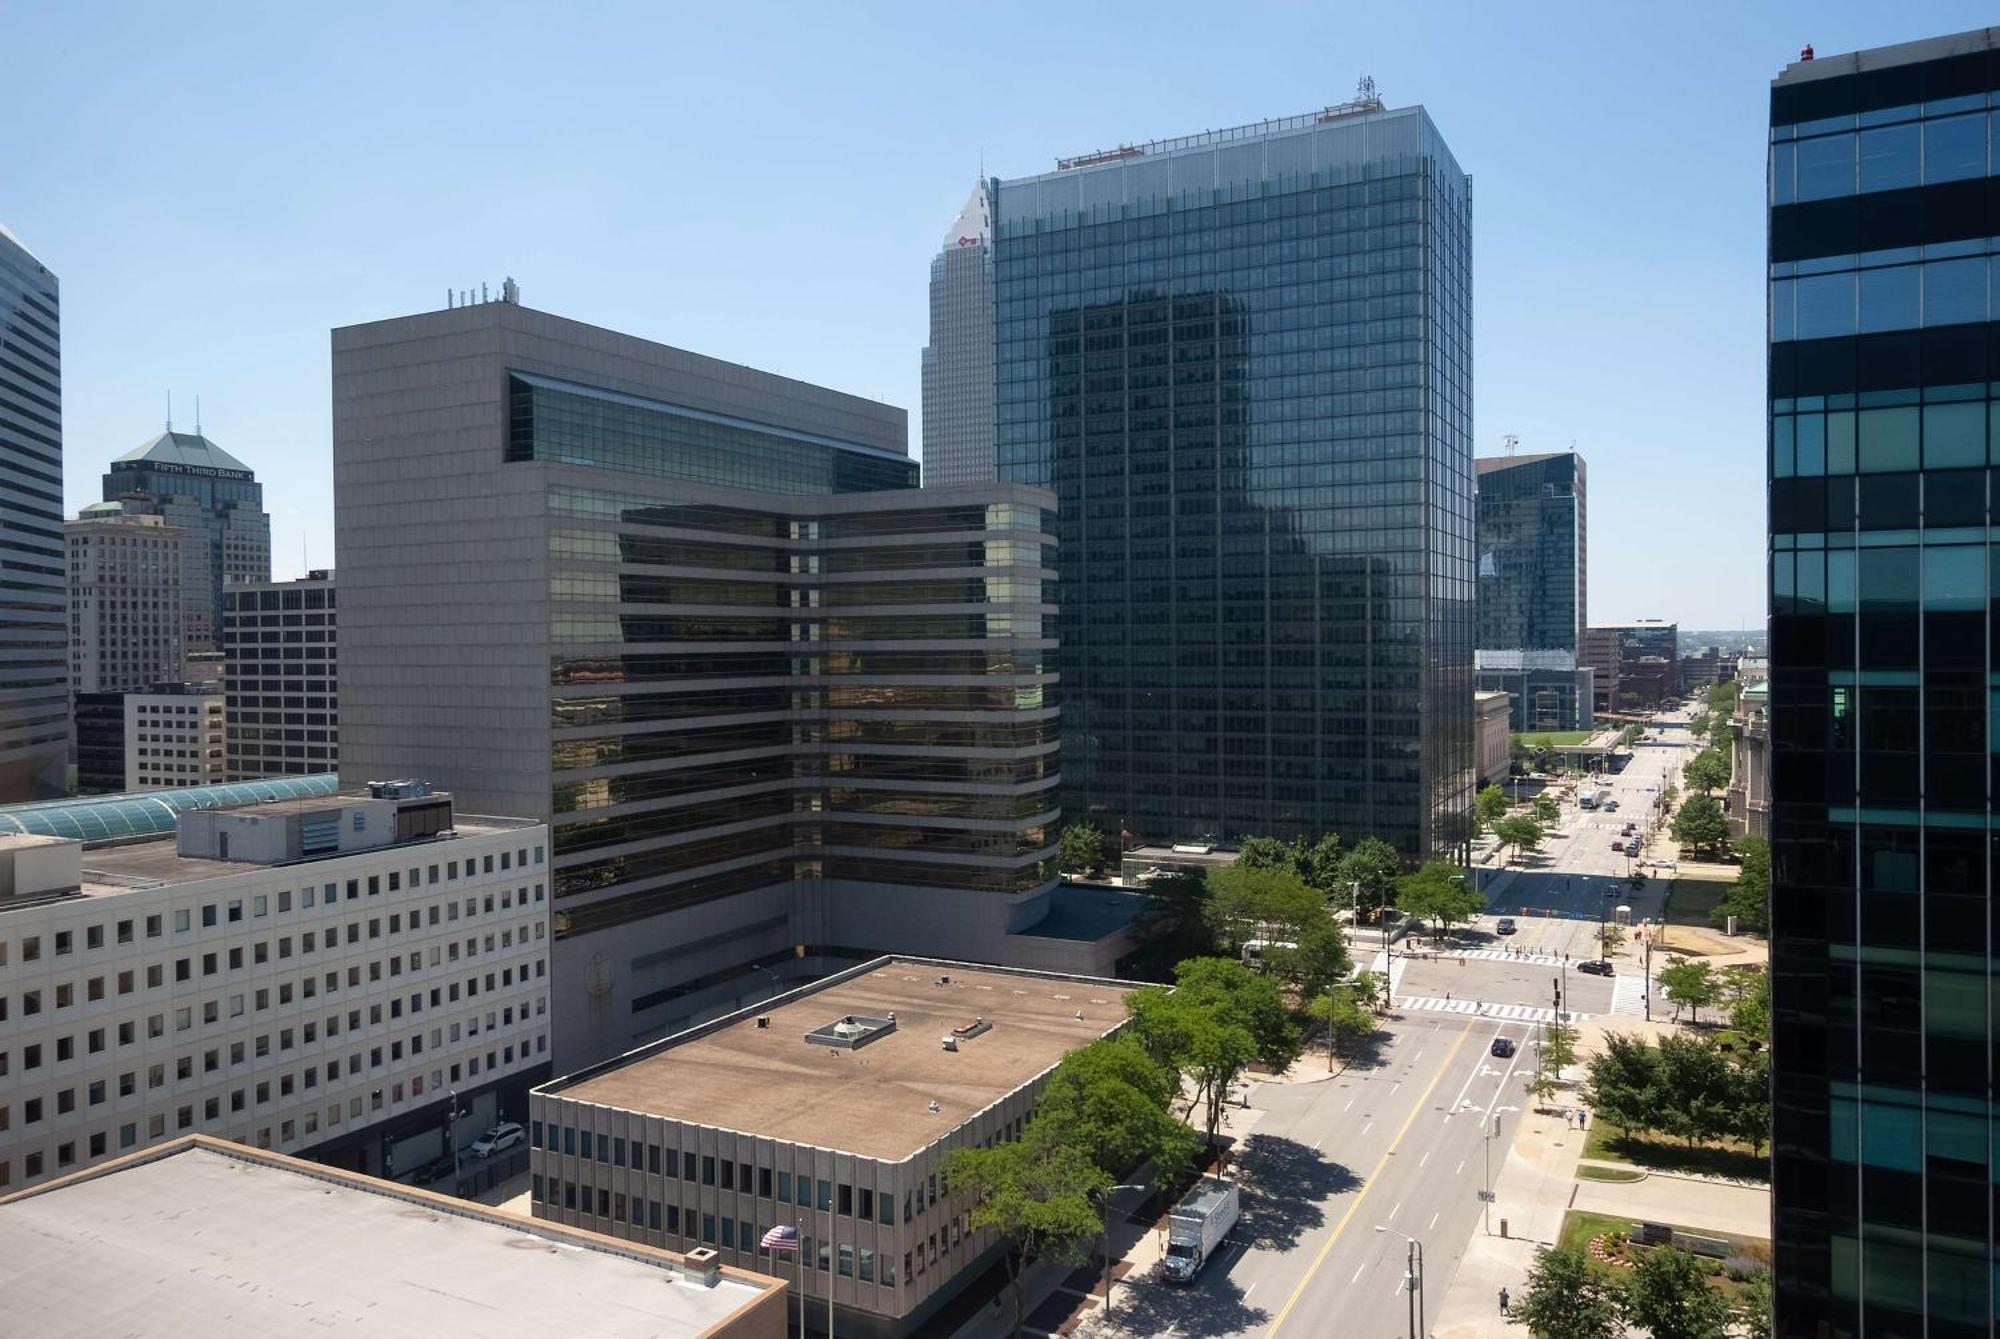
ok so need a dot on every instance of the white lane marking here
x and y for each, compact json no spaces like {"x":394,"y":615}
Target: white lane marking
{"x":1349,"y":1106}
{"x":1357,"y":1273}
{"x":1392,"y":1212}
{"x":1369,"y":1126}
{"x":1418,"y":1056}
{"x":1424,"y":1159}
{"x":1452,"y":1110}
{"x":1247,"y":1291}
{"x":1434,"y":1221}
{"x":1461,"y":1167}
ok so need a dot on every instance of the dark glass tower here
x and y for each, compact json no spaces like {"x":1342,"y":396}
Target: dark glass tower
{"x":1884,"y":393}
{"x":1243,"y":362}
{"x":1532,"y":588}
{"x":34,"y":618}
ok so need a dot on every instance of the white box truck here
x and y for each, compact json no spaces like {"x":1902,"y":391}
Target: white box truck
{"x":1197,"y":1227}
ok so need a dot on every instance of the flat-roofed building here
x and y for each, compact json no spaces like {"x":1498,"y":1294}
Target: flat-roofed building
{"x":202,"y":1236}
{"x":832,"y":1107}
{"x":1491,"y":714}
{"x":314,"y":975}
{"x":173,"y":736}
{"x":124,"y":599}
{"x":281,"y":667}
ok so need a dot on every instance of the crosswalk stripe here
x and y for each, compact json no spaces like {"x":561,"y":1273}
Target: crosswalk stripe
{"x":1509,"y":1013}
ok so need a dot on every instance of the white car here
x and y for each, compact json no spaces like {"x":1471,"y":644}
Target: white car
{"x":504,"y":1135}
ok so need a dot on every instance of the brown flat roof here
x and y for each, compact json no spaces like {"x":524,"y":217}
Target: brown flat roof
{"x":872,"y":1101}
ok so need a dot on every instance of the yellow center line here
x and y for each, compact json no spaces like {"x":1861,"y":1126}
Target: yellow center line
{"x":1366,"y":1187}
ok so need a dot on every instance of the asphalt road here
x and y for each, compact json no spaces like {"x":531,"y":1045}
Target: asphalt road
{"x":1394,"y":1141}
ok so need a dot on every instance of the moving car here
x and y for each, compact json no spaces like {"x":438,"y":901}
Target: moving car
{"x":1503,"y":1047}
{"x":1617,"y":844}
{"x":504,"y":1135}
{"x":1595,"y":967}
{"x":1610,"y":806}
{"x":1504,"y":926}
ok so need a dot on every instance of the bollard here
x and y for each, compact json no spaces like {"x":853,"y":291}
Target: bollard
{"x":1503,"y":1227}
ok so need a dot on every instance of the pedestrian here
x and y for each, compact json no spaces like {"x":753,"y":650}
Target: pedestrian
{"x":1580,"y":1115}
{"x":1503,"y":1301}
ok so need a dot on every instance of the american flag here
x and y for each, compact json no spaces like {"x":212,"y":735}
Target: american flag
{"x":784,"y":1237}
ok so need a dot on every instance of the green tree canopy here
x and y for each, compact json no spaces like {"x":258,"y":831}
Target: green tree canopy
{"x":1114,"y":1102}
{"x":1081,"y":849}
{"x":1568,"y":1297}
{"x":1263,"y":853}
{"x":1546,"y":811}
{"x":1668,"y":1296}
{"x":1318,"y":960}
{"x":1319,"y":865}
{"x":1749,"y":1117}
{"x":1438,"y":893}
{"x":1749,"y":994}
{"x":1691,"y":984}
{"x":1623,"y":1078}
{"x":1346,"y":1021}
{"x":1269,"y":903}
{"x":1708,"y":770}
{"x":1173,"y":925}
{"x":1037,"y":1195}
{"x":1371,"y":989}
{"x":1700,"y":824}
{"x":1368,"y":874}
{"x":1219,"y":1018}
{"x":1519,"y":831}
{"x":1695,"y":1089}
{"x":1490,"y":804}
{"x":1749,"y":898}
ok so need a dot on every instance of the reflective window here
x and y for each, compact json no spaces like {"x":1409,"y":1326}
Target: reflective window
{"x":1955,"y":291}
{"x":1826,"y":306}
{"x":1954,"y":434}
{"x":1826,"y":167}
{"x":1891,"y":158}
{"x":1888,"y":439}
{"x":1955,"y":148}
{"x":1889,"y":298}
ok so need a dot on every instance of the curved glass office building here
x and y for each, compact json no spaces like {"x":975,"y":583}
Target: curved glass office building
{"x":1243,"y":363}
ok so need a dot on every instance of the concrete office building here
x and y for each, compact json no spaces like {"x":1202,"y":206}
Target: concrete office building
{"x":1634,"y":666}
{"x":203,"y":1236}
{"x":124,"y":600}
{"x":778,"y":703}
{"x":832,"y":1107}
{"x":1747,"y":802}
{"x":281,"y":667}
{"x":313,"y":976}
{"x":34,"y":619}
{"x":1491,"y":713}
{"x":958,"y":361}
{"x":173,"y":737}
{"x":214,"y":499}
{"x":1242,"y":360}
{"x":1533,"y":528}
{"x":1884,"y":388}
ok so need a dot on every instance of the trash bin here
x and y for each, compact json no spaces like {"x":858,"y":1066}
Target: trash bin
{"x":1503,"y":1227}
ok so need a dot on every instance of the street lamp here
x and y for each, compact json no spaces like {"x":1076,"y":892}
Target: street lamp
{"x":1104,"y":1204}
{"x":1490,"y":1134}
{"x":451,"y":1125}
{"x":1413,"y":1280}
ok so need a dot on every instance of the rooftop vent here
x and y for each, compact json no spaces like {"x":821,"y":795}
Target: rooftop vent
{"x":851,"y":1032}
{"x":405,"y":789}
{"x":967,"y":1031}
{"x":702,"y":1265}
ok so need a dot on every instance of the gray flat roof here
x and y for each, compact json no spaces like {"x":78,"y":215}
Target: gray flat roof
{"x":874,"y":1100}
{"x":206,"y":1239}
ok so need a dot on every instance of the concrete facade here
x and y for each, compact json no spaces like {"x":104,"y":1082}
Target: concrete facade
{"x":1748,"y":800}
{"x":1490,"y":719}
{"x":718,"y":1134}
{"x":281,"y":666}
{"x":173,"y":737}
{"x":777,"y":702}
{"x":156,"y":987}
{"x":124,"y":600}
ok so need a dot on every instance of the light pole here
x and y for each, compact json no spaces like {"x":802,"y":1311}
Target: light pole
{"x":1104,"y":1204}
{"x":451,"y":1125}
{"x":1413,"y":1280}
{"x":1491,"y":1133}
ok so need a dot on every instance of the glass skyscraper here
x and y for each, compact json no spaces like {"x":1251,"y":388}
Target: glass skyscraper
{"x":1243,"y":362}
{"x":1884,"y":388}
{"x":34,"y":618}
{"x":958,"y":362}
{"x":1532,"y":588}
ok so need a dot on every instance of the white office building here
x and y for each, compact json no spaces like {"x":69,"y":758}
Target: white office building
{"x":173,"y":737}
{"x":319,"y":976}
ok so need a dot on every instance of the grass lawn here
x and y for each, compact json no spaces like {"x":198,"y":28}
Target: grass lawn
{"x":1555,"y":739}
{"x":1579,"y":1227}
{"x":1732,"y":1159}
{"x":1592,"y":1172}
{"x":1690,"y":900}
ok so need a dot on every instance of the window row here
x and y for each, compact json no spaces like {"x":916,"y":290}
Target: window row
{"x":1883,"y":158}
{"x":1885,"y":440}
{"x":1895,"y":297}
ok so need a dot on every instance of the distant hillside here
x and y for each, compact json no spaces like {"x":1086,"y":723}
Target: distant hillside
{"x":1729,"y":639}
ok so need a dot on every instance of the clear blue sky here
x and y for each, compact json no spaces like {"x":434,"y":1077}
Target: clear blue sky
{"x":219,"y":185}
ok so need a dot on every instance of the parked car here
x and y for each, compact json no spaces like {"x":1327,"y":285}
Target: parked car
{"x":502,"y":1136}
{"x":1617,"y":845}
{"x":1503,"y":1047}
{"x":1610,"y":806}
{"x":1504,"y":926}
{"x":1631,"y":828}
{"x":1595,"y":967}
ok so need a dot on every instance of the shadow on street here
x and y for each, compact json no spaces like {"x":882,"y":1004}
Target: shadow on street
{"x":1214,"y":1305}
{"x":1284,"y":1183}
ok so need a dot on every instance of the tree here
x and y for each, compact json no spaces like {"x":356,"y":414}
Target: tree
{"x":1568,"y":1297}
{"x":1559,"y":1047}
{"x":1438,"y":893}
{"x":1545,"y":811}
{"x":1622,"y":1083}
{"x":1700,"y":825}
{"x":1750,"y":1005}
{"x":1749,"y":1116}
{"x":1749,"y":898}
{"x":1081,"y":849}
{"x":1707,"y":770}
{"x":1114,"y":1102}
{"x":1668,"y":1296}
{"x":1347,"y":1023}
{"x":1519,"y":831}
{"x":1753,"y":1306}
{"x":1371,"y":990}
{"x":1490,"y":804}
{"x":1319,"y":960}
{"x":1319,"y":865}
{"x":1689,"y":983}
{"x":1037,"y":1195}
{"x":1263,"y":853}
{"x":1269,"y":903}
{"x":1695,"y":1089}
{"x":1609,"y":937}
{"x":1368,"y":872}
{"x":1219,"y":1018}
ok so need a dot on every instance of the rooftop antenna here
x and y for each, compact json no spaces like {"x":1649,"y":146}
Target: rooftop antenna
{"x":1509,"y":442}
{"x":197,"y":416}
